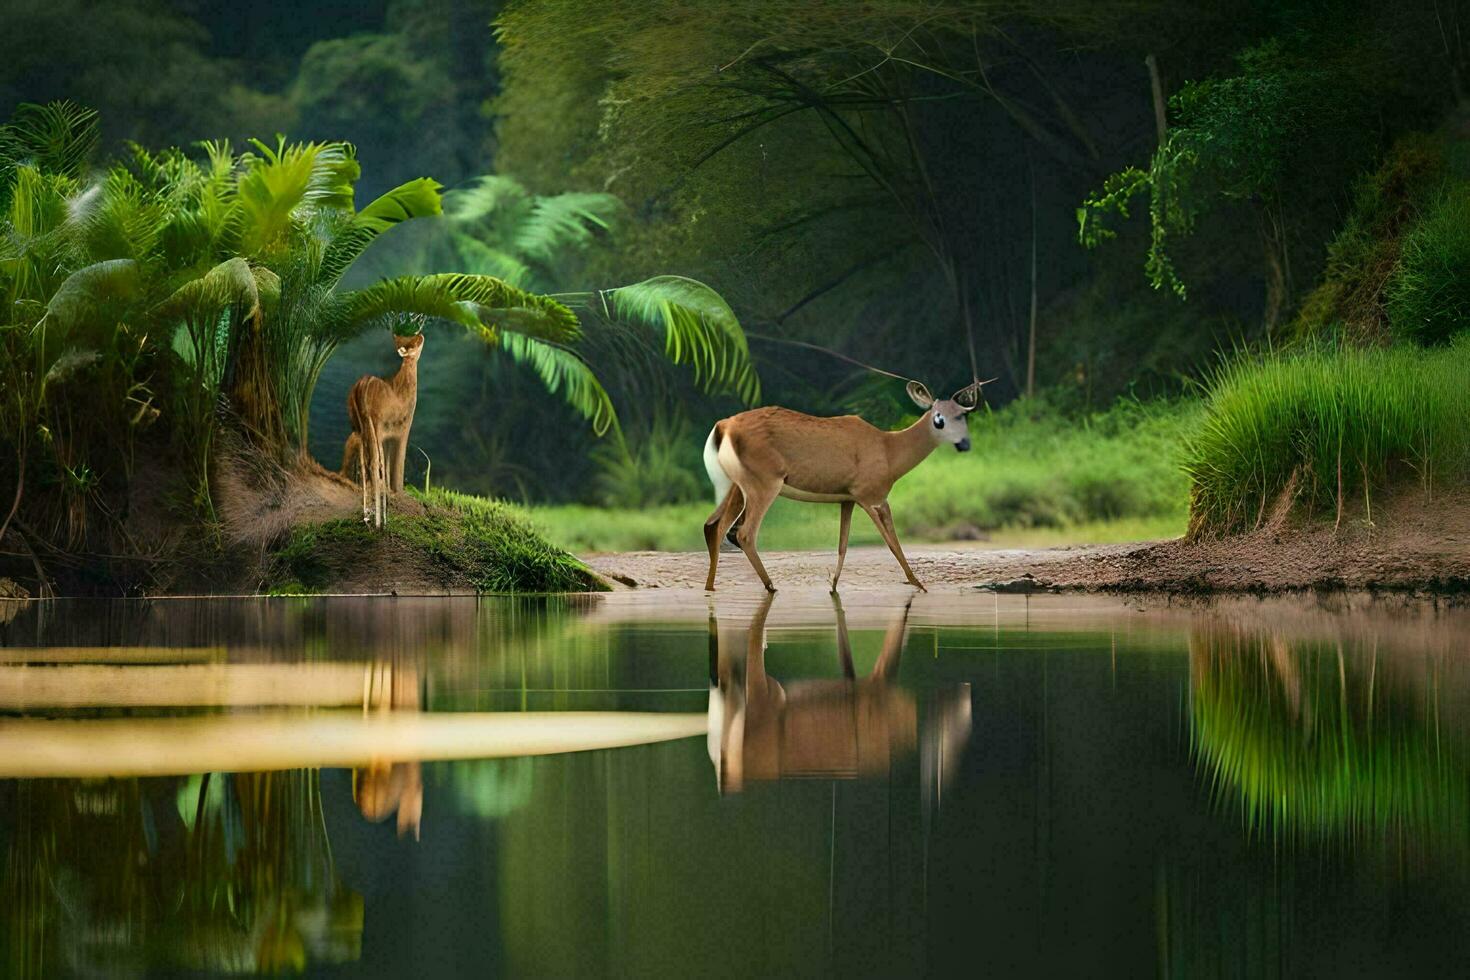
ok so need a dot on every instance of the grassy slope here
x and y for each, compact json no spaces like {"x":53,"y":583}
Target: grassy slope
{"x":1032,"y":478}
{"x":1344,"y":423}
{"x":462,"y":541}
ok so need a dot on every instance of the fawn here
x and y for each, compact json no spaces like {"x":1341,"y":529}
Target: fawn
{"x":381,"y":412}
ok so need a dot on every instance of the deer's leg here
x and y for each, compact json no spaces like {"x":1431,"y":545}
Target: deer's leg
{"x":717,"y":525}
{"x":887,"y":666}
{"x":844,"y":643}
{"x":883,"y":519}
{"x":400,"y":455}
{"x":758,"y":500}
{"x":382,"y":484}
{"x":364,"y":477}
{"x":350,"y":453}
{"x":372,"y":464}
{"x":844,"y":526}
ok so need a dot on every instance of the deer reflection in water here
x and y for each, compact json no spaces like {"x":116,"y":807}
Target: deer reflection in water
{"x":760,"y":729}
{"x":384,"y":787}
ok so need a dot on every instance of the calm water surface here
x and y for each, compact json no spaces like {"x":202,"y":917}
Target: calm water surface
{"x":668,"y":785}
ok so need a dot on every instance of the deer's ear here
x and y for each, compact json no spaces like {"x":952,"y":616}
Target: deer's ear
{"x":919,"y":394}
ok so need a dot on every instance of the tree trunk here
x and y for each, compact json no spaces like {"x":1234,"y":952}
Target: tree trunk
{"x":1031,"y":333}
{"x":1160,"y":120}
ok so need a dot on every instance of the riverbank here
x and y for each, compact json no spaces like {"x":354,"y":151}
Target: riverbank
{"x":1415,"y":544}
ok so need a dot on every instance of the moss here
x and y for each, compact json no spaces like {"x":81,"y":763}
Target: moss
{"x":461,"y":541}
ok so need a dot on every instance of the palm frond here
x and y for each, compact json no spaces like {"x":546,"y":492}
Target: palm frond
{"x":199,"y":316}
{"x":58,"y":138}
{"x":231,"y":283}
{"x":482,"y":259}
{"x":563,"y":372}
{"x":275,"y":183}
{"x":482,"y":304}
{"x":483,"y":197}
{"x":698,"y":326}
{"x":565,"y":221}
{"x":414,"y":199}
{"x":89,"y":302}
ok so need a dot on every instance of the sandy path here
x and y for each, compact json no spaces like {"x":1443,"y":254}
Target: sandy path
{"x":870,"y":566}
{"x":1421,"y":548}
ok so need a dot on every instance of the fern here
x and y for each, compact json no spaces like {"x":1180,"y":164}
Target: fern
{"x":698,"y":326}
{"x":563,"y":372}
{"x":414,"y":199}
{"x":482,"y":304}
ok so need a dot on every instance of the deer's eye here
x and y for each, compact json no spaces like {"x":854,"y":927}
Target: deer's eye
{"x":939,"y":421}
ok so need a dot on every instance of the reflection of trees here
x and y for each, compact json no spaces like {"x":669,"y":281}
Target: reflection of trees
{"x":237,"y":876}
{"x":1329,"y":738}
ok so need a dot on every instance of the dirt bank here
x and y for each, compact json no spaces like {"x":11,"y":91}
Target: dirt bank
{"x":1415,"y":543}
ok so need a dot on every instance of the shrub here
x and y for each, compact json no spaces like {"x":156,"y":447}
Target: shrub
{"x":1335,"y":423}
{"x":1429,"y":294}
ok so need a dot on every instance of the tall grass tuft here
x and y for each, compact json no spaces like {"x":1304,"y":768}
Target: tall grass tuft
{"x":1428,"y":297}
{"x":1327,"y":428}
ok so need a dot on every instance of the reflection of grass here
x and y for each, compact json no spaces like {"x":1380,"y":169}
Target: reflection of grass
{"x":1310,"y":746}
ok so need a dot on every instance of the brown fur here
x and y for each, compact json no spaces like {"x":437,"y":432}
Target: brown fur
{"x":828,"y":729}
{"x":381,"y":413}
{"x":384,"y":787}
{"x":770,"y":451}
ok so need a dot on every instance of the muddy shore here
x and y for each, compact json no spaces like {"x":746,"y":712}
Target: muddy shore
{"x":1246,"y":564}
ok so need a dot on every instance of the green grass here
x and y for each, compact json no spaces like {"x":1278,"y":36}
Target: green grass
{"x":1344,"y":423}
{"x":1033,"y":477}
{"x":469,"y":539}
{"x":1428,"y":298}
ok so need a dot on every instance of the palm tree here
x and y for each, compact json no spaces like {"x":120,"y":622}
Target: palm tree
{"x":196,"y":284}
{"x":495,"y":227}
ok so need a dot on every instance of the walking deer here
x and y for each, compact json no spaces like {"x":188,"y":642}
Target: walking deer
{"x":756,"y":456}
{"x":381,"y":412}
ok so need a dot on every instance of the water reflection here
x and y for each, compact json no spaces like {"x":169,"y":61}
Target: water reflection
{"x":278,"y":755}
{"x":384,"y":786}
{"x":220,"y":873}
{"x":761,"y":729}
{"x":1339,"y":735}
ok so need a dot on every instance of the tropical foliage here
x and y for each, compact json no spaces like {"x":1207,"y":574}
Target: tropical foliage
{"x":206,"y":293}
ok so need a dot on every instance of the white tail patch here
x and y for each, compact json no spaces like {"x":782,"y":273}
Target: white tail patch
{"x":717,"y":474}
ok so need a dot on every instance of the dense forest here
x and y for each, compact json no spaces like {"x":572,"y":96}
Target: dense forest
{"x":661,"y":211}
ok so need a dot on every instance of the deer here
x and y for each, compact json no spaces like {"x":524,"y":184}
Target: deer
{"x":760,"y":729}
{"x":756,"y":456}
{"x":381,"y":413}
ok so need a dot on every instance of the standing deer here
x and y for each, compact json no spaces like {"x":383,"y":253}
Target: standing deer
{"x":756,"y":456}
{"x":381,"y":413}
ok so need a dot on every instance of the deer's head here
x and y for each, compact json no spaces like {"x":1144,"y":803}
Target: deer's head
{"x":409,"y":348}
{"x":946,"y":417}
